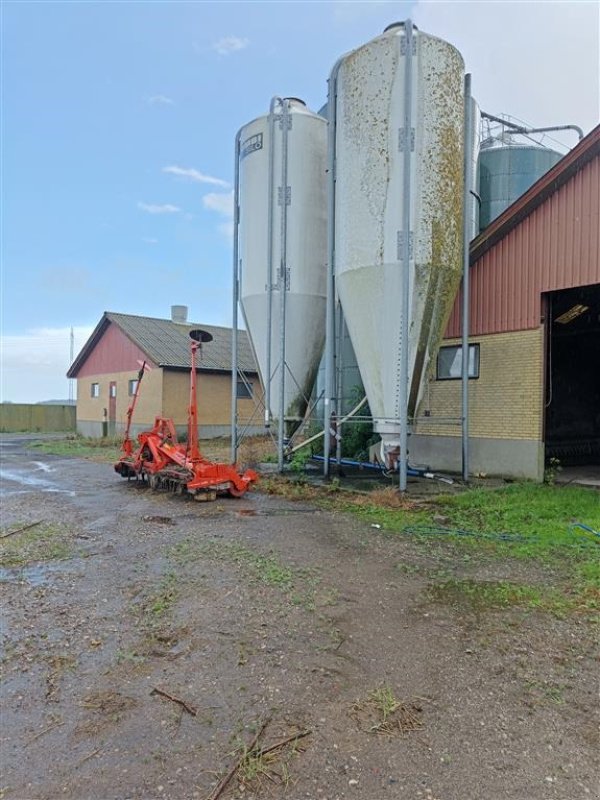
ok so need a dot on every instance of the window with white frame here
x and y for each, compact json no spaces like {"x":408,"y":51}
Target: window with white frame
{"x":449,"y":362}
{"x":132,"y":386}
{"x":95,"y":390}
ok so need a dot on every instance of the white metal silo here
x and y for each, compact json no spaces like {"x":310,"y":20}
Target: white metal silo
{"x":397,"y":148}
{"x":282,"y":251}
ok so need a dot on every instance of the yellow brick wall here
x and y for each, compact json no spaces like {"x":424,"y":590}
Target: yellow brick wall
{"x":148,"y":406}
{"x":506,"y":401}
{"x":166,"y":393}
{"x":214,"y":398}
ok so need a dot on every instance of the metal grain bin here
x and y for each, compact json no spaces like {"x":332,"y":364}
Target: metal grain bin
{"x":370,"y":206}
{"x":507,"y":172}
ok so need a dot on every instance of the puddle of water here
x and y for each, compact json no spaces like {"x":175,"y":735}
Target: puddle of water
{"x":26,"y":479}
{"x":43,"y":467}
{"x":36,"y":575}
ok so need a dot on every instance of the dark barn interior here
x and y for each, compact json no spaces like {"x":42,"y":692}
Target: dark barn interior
{"x":572,"y":422}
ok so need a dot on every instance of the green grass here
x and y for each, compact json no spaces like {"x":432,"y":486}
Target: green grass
{"x":265,"y":568}
{"x":489,"y":595}
{"x":161,"y":600}
{"x":541,"y":515}
{"x":385,"y":701}
{"x":45,"y":542}
{"x":108,"y":449}
{"x":300,"y":585}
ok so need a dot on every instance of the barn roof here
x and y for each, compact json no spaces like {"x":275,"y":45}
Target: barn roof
{"x":167,"y":343}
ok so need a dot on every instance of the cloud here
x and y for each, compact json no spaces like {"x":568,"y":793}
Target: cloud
{"x":149,"y":240}
{"x":160,"y":100}
{"x":222,"y":204}
{"x":166,"y":208}
{"x":516,"y":70}
{"x":195,"y":175}
{"x":226,"y":228}
{"x":229,"y":44}
{"x":35,"y":362}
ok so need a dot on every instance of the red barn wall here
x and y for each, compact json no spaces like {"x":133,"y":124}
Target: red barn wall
{"x":556,"y":247}
{"x":114,"y":352}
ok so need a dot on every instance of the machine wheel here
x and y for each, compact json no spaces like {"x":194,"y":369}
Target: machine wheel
{"x":236,"y":492}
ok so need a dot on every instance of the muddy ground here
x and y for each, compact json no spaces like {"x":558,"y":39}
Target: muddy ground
{"x":262,"y":610}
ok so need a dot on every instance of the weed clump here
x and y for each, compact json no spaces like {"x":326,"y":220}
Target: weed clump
{"x":381,"y":712}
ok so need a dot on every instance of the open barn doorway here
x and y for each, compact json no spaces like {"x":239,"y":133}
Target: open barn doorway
{"x":572,"y":398}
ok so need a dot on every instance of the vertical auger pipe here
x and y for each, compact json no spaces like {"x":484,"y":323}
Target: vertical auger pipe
{"x":405,"y":264}
{"x":284,"y":119}
{"x":467,"y":202}
{"x":235,"y":293}
{"x":330,"y":307}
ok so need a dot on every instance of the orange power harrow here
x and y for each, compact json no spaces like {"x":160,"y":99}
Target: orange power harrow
{"x":181,"y":468}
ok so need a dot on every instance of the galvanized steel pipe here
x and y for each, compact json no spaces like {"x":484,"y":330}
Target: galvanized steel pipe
{"x":284,"y":122}
{"x":235,"y":292}
{"x":330,"y":307}
{"x":467,"y":202}
{"x":405,"y":264}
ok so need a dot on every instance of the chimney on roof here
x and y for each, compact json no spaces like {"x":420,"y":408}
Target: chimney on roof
{"x":179,"y":314}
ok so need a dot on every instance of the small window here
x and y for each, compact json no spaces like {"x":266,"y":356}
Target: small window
{"x":449,"y":362}
{"x":113,"y":390}
{"x":95,"y":390}
{"x":244,"y":390}
{"x":132,"y":386}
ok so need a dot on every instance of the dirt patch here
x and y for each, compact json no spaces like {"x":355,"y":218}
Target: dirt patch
{"x":266,"y":609}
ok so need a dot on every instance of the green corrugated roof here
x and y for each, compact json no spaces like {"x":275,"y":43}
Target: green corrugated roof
{"x":167,"y":343}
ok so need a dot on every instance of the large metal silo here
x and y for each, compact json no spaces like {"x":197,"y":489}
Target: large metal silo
{"x":506,"y":172}
{"x":397,"y":141}
{"x":282,"y":249}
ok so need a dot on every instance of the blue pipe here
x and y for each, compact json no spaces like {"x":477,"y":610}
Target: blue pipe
{"x":348,"y":462}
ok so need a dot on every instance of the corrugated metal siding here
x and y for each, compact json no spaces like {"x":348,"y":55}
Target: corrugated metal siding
{"x":113,"y":353}
{"x":556,"y":247}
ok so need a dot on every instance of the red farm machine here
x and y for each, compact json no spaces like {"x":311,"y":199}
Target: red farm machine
{"x":177,"y":467}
